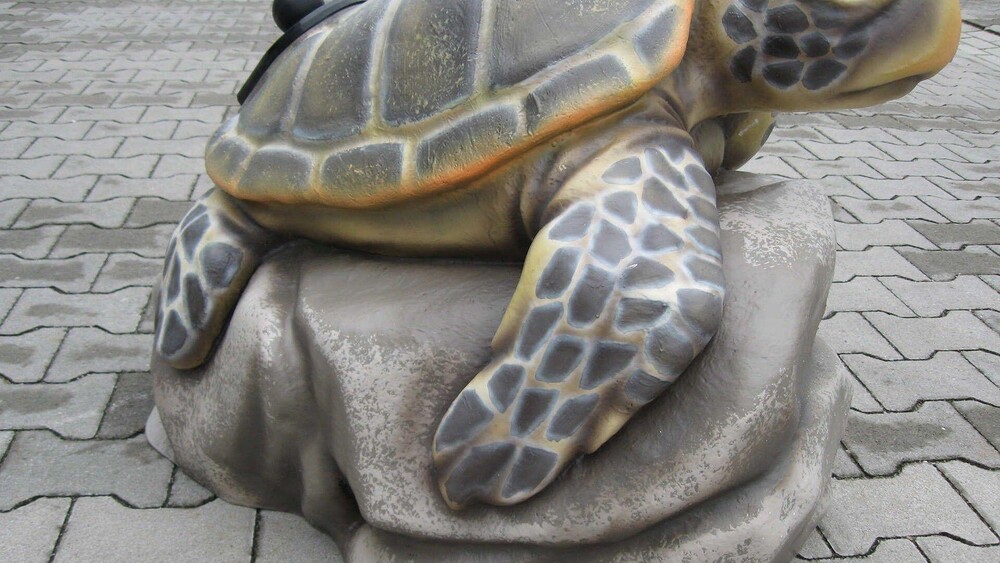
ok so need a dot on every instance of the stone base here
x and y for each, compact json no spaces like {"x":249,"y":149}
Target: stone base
{"x":323,"y":396}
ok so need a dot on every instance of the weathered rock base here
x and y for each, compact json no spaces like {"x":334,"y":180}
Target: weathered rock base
{"x":323,"y":396}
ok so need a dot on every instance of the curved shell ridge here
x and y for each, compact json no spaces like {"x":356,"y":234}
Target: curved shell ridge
{"x":532,"y":35}
{"x":434,"y":44}
{"x":261,"y":114}
{"x":362,"y":174}
{"x":226,"y":155}
{"x":335,"y":100}
{"x":663,"y":52}
{"x":291,"y":114}
{"x":277,"y":171}
{"x":582,"y":86}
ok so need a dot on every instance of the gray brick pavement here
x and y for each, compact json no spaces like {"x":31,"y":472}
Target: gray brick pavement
{"x":918,"y":501}
{"x":105,"y":107}
{"x":882,"y":443}
{"x":902,"y":384}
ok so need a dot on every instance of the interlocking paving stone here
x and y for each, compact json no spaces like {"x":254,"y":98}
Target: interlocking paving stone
{"x":879,"y":260}
{"x":981,"y":487}
{"x":814,"y":547}
{"x":67,"y":189}
{"x":919,"y":338}
{"x":148,"y":322}
{"x":125,"y":270}
{"x":106,"y":129}
{"x":770,"y":165}
{"x":186,"y":492}
{"x":941,"y":549}
{"x":10,"y":209}
{"x":176,"y":188}
{"x":917,"y":501}
{"x":285,"y":537}
{"x":818,"y":169}
{"x":154,"y":211}
{"x":13,"y":148}
{"x":875,"y":211}
{"x":172,"y":164}
{"x":868,"y":134}
{"x":993,"y":280}
{"x":985,"y":418}
{"x":5,"y":440}
{"x":29,"y":243}
{"x":40,"y":463}
{"x":114,"y":312}
{"x":212,"y":115}
{"x":47,"y":146}
{"x":35,"y":168}
{"x":100,"y":529}
{"x":68,"y":274}
{"x":8,"y":296}
{"x":194,"y":130}
{"x":900,"y":385}
{"x":945,"y":264}
{"x":72,"y":410}
{"x":972,"y":170}
{"x":134,"y":146}
{"x":964,"y":211}
{"x":24,"y":358}
{"x":92,"y":350}
{"x":845,"y":467}
{"x":864,"y":294}
{"x":964,"y":189}
{"x":107,"y":214}
{"x":833,"y":151}
{"x":131,"y":167}
{"x":840,"y":186}
{"x":120,"y":115}
{"x":991,"y":318}
{"x":148,"y":241}
{"x":28,"y":534}
{"x":932,"y":299}
{"x":851,"y":333}
{"x":887,"y":551}
{"x":129,"y":407}
{"x":862,"y":400}
{"x":934,"y":431}
{"x":892,"y":232}
{"x":27,"y":129}
{"x":906,"y":152}
{"x":917,"y":167}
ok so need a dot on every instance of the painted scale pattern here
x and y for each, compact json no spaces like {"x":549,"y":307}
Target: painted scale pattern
{"x":787,"y":43}
{"x":486,"y":80}
{"x":631,"y":293}
{"x":211,"y":256}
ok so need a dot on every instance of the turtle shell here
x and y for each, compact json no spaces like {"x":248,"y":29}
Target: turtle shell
{"x":398,"y":99}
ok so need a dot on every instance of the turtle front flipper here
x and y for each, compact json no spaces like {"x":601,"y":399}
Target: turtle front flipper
{"x":211,"y":256}
{"x":621,"y":290}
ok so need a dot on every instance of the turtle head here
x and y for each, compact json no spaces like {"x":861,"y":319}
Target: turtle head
{"x":796,"y":55}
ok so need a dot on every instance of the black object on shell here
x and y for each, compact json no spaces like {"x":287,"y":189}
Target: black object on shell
{"x":290,"y":12}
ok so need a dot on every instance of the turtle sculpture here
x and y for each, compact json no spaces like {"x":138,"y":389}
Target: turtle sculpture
{"x":580,"y":136}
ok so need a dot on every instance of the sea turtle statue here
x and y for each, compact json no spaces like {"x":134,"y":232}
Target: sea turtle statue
{"x":580,"y":136}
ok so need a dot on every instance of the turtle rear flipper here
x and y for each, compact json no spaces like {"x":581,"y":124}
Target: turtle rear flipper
{"x":211,"y":256}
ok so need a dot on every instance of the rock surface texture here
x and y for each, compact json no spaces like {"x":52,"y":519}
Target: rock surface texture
{"x":326,"y":389}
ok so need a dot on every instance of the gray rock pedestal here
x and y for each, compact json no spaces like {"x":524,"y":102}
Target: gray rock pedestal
{"x":324,"y":394}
